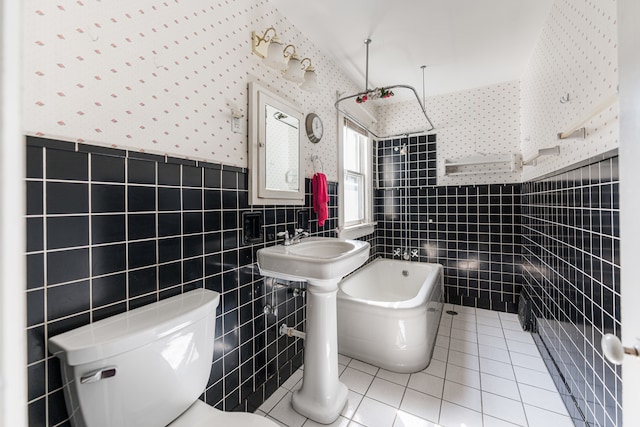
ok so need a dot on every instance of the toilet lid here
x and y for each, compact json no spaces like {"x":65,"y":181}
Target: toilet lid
{"x":202,"y":415}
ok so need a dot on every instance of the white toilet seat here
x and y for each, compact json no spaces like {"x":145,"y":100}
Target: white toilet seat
{"x":202,"y":415}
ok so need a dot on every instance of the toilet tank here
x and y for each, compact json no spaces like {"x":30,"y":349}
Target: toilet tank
{"x":142,"y":368}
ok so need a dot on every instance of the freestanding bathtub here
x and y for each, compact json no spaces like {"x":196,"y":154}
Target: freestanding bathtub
{"x":389,"y":312}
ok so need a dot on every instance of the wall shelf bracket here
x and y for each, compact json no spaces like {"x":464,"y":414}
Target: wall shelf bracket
{"x":580,"y":133}
{"x":551,"y":151}
{"x":578,"y":129}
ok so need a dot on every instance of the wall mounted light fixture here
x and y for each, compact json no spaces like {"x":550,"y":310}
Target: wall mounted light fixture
{"x":269,"y":48}
{"x":294,"y":72}
{"x":310,"y":83}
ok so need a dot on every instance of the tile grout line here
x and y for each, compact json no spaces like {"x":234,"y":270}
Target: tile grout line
{"x":516,"y":380}
{"x":446,"y":366}
{"x":480,"y":374}
{"x":45,"y":284}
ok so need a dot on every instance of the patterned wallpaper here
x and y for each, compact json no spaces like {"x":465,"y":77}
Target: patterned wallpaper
{"x":575,"y":58}
{"x":576,"y":55}
{"x":161,"y":76}
{"x":477,"y":122}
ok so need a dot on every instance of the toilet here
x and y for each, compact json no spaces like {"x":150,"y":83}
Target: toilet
{"x":146,"y":367}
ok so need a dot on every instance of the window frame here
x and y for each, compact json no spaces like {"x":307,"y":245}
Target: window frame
{"x":364,"y":225}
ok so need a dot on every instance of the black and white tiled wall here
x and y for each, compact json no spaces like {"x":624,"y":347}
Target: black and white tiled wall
{"x":110,"y":230}
{"x":472,"y":230}
{"x":557,"y":239}
{"x":571,"y":272}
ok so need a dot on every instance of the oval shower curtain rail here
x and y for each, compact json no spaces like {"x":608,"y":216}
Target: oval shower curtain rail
{"x":387,"y":89}
{"x":359,"y":123}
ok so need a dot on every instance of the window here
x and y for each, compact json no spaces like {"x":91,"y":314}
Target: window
{"x":355,"y":188}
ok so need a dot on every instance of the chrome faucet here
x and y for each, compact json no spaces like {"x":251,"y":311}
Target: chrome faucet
{"x":291,"y":240}
{"x":300,"y":233}
{"x":285,"y":234}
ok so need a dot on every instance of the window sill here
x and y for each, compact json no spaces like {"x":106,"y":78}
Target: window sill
{"x":356,"y":231}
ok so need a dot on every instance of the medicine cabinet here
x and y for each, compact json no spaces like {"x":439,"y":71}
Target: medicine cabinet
{"x":276,"y":173}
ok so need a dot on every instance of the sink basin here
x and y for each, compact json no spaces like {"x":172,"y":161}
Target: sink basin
{"x":325,"y":249}
{"x":314,"y":258}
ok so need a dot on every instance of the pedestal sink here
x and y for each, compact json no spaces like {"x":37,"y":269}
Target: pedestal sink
{"x":321,"y":262}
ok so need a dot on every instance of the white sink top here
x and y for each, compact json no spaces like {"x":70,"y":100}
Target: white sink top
{"x":313,"y":259}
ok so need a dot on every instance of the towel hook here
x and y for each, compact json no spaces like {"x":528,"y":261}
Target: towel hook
{"x":315,"y":158}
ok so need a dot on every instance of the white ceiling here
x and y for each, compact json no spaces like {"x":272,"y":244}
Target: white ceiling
{"x":464,"y":43}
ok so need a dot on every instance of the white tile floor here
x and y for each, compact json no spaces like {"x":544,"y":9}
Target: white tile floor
{"x":485,"y":372}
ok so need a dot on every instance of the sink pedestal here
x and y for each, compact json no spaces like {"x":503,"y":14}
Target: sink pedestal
{"x":321,"y":262}
{"x":321,"y":397}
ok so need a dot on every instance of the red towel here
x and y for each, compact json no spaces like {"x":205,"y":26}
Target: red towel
{"x":320,"y":197}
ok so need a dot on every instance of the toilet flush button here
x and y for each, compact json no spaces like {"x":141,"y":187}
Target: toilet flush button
{"x":98,"y":375}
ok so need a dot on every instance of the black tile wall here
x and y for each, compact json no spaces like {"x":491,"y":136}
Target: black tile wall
{"x":416,"y":168}
{"x":472,"y":230}
{"x":111,"y":230}
{"x":571,"y":272}
{"x":107,"y":233}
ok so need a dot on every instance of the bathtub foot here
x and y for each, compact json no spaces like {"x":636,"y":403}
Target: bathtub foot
{"x":322,"y":396}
